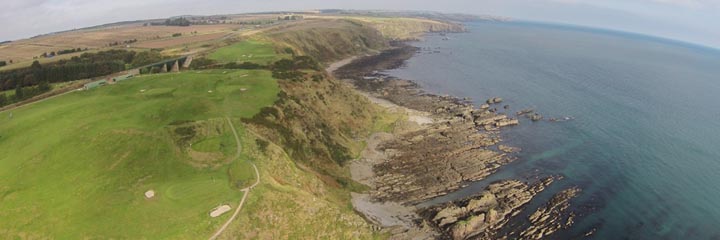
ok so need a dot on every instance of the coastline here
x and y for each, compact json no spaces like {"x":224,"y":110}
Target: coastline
{"x":422,"y":160}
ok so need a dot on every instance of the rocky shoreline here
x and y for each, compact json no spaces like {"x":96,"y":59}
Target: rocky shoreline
{"x":422,"y":160}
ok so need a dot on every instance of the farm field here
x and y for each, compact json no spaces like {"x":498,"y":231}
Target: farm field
{"x":77,"y":166}
{"x":176,"y":41}
{"x":247,"y":51}
{"x":26,"y":49}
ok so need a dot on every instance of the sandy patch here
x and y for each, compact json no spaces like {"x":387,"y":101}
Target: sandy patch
{"x":150,"y":194}
{"x":220,"y":210}
{"x":419,"y":117}
{"x":386,"y":214}
{"x":361,"y":170}
{"x":337,"y":65}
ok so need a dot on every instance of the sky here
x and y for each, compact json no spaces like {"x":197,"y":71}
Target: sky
{"x":695,"y":21}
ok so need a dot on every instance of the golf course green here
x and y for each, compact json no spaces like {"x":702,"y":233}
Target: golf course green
{"x":77,"y":166}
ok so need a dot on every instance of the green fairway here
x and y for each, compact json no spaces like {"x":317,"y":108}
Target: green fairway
{"x":247,"y":51}
{"x":77,"y":166}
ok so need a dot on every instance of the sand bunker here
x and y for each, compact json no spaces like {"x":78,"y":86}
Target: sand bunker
{"x":220,"y":210}
{"x":150,"y":194}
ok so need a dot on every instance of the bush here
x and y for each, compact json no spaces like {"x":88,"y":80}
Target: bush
{"x":145,"y":58}
{"x":201,"y":63}
{"x":262,"y":144}
{"x":288,"y":75}
{"x":244,"y":65}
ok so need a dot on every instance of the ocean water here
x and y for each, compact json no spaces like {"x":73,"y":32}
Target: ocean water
{"x":644,"y":144}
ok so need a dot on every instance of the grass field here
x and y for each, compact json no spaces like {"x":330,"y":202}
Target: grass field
{"x":76,"y":167}
{"x":247,"y":51}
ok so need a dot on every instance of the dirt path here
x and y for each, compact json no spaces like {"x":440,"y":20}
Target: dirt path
{"x":246,"y":191}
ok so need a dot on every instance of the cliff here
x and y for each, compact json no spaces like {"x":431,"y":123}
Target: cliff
{"x":314,"y":128}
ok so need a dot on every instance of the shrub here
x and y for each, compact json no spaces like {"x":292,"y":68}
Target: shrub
{"x":262,"y":144}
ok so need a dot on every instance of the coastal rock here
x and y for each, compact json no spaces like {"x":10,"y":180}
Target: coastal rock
{"x":508,"y":149}
{"x":433,"y":161}
{"x":551,"y":217}
{"x":480,"y":216}
{"x":440,"y":157}
{"x":536,"y":117}
{"x":524,"y":111}
{"x":494,"y":100}
{"x":490,"y":119}
{"x":506,"y":122}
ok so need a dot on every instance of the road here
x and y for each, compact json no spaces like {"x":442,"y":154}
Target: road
{"x":246,"y":191}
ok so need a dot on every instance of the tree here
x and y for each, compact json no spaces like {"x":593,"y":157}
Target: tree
{"x":262,"y":144}
{"x":3,"y":100}
{"x":35,"y":65}
{"x":145,"y":58}
{"x":201,"y":63}
{"x":177,"y":22}
{"x":44,"y":86}
{"x":19,"y":94}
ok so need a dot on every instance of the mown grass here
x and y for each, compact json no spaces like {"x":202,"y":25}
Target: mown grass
{"x":247,"y":51}
{"x":76,"y":166}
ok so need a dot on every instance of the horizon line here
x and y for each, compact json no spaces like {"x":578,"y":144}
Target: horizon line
{"x":511,"y":19}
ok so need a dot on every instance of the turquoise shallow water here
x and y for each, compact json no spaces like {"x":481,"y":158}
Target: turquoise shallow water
{"x":645,"y":141}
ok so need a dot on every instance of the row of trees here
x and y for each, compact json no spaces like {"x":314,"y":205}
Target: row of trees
{"x":126,"y":42}
{"x":87,"y":65}
{"x":171,"y":22}
{"x":177,"y":22}
{"x":72,"y":50}
{"x":22,"y":93}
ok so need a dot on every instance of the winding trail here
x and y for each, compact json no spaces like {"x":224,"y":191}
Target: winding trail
{"x":246,"y":191}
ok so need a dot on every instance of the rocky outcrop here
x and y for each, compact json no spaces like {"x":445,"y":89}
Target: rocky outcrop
{"x":482,"y":215}
{"x":442,"y":156}
{"x":508,"y":149}
{"x":506,"y":122}
{"x":536,"y":117}
{"x":436,"y":160}
{"x":494,"y":100}
{"x":525,"y":111}
{"x":552,"y":217}
{"x":491,"y":121}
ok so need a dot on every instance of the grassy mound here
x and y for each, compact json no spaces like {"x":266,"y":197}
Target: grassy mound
{"x":77,"y":166}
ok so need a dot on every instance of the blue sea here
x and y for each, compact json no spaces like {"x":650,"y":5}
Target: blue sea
{"x":644,"y":144}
